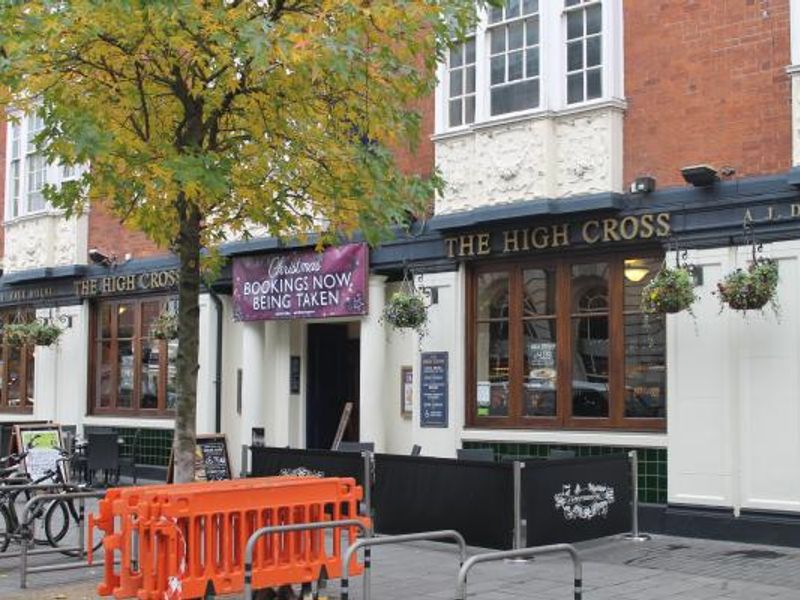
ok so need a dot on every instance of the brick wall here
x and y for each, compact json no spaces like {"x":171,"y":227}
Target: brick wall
{"x":705,"y":83}
{"x":108,"y":235}
{"x":420,"y":159}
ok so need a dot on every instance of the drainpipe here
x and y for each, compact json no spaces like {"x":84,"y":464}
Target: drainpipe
{"x":217,"y":363}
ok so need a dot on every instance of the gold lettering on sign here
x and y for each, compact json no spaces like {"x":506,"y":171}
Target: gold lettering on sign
{"x":610,"y":230}
{"x":465,"y":246}
{"x":748,"y":217}
{"x":560,"y":235}
{"x":646,"y":229}
{"x":511,"y":241}
{"x":123,"y":284}
{"x":451,"y":247}
{"x":591,"y":232}
{"x":770,"y":213}
{"x":663,"y":226}
{"x":540,"y":238}
{"x":629,"y":228}
{"x":484,"y":244}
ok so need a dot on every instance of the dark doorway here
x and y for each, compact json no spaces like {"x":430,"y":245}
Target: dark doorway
{"x":333,"y":373}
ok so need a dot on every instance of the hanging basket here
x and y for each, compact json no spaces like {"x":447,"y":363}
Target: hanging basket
{"x":35,"y":333}
{"x":670,"y":291}
{"x":165,"y":326}
{"x":751,"y":289}
{"x":406,"y":310}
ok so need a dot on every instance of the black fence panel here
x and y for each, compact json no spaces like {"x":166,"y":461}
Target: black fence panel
{"x":571,"y":500}
{"x":267,"y":462}
{"x":414,"y":494}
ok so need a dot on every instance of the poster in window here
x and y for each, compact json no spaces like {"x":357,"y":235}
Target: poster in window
{"x":406,"y":391}
{"x":542,"y":360}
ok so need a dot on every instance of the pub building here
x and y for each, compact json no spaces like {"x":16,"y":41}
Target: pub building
{"x":570,"y":182}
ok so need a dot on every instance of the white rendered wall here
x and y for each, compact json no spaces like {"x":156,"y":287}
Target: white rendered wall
{"x":206,"y":395}
{"x":576,"y":152}
{"x":44,"y":240}
{"x":231,"y":361}
{"x":734,"y":394}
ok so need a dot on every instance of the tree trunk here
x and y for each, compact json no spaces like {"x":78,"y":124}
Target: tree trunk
{"x":188,"y":249}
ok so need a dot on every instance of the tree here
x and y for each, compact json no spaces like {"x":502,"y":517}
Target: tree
{"x":203,"y":119}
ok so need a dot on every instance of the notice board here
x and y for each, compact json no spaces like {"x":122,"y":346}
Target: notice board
{"x":211,"y":459}
{"x":43,"y":443}
{"x":433,"y":397}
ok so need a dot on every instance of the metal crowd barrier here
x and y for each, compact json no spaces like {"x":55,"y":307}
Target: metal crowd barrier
{"x":27,"y":520}
{"x":461,"y":586}
{"x":366,"y":543}
{"x":251,"y":543}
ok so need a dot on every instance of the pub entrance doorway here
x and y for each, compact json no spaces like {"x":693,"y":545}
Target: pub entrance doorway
{"x":333,"y":381}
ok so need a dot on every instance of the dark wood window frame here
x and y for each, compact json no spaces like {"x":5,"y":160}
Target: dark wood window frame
{"x":563,"y":419}
{"x":140,"y":336}
{"x":26,"y":367}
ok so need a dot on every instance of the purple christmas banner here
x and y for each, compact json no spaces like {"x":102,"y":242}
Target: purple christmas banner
{"x":301,"y":285}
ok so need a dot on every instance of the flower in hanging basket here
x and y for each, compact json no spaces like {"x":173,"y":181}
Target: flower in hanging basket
{"x":41,"y":333}
{"x":406,"y":311}
{"x":16,"y":334}
{"x":670,"y":291}
{"x":165,"y":326}
{"x":751,"y":289}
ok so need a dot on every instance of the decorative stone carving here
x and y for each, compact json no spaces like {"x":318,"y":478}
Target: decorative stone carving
{"x":46,"y":240}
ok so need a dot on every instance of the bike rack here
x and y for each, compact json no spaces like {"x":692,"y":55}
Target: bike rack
{"x":461,"y":586}
{"x":251,"y":542}
{"x":27,"y":520}
{"x":446,"y":534}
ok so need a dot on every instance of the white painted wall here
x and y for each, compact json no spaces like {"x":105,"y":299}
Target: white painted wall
{"x":545,"y":156}
{"x":231,"y":362}
{"x":45,"y":240}
{"x":734,"y":394}
{"x":206,"y":396}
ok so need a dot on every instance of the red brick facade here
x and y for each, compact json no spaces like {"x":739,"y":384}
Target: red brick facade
{"x":3,"y":130}
{"x":111,"y":237}
{"x":705,"y":82}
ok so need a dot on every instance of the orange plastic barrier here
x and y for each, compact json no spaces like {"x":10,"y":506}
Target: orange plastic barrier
{"x":190,"y":535}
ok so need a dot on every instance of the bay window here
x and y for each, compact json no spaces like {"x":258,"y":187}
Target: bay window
{"x":563,"y":343}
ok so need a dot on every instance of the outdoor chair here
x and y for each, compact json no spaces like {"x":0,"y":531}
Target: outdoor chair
{"x":128,"y":462}
{"x":102,"y":454}
{"x":480,"y":454}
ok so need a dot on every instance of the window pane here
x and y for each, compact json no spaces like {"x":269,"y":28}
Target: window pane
{"x":590,"y":288}
{"x":593,"y":51}
{"x":125,"y":366}
{"x":498,"y":69}
{"x":515,"y":66}
{"x":590,"y":352}
{"x":150,"y":312}
{"x":149,"y":373}
{"x":575,"y":55}
{"x":530,"y":6}
{"x":456,"y":56}
{"x":512,"y":98}
{"x":540,"y":292}
{"x":498,"y":40}
{"x":512,"y":9}
{"x":493,"y":296}
{"x":14,"y":375}
{"x":516,"y":35}
{"x":105,"y":367}
{"x":30,"y":376}
{"x":575,"y":88}
{"x":574,"y":24}
{"x":105,"y":321}
{"x":532,"y":62}
{"x":469,"y":109}
{"x":126,"y":320}
{"x":539,"y":397}
{"x":470,"y":82}
{"x":532,"y":32}
{"x":492,"y":369}
{"x":470,"y":51}
{"x":594,"y":85}
{"x":456,"y":83}
{"x":645,"y":366}
{"x":496,"y":15}
{"x":455,"y":113}
{"x":594,"y":19}
{"x":172,"y":384}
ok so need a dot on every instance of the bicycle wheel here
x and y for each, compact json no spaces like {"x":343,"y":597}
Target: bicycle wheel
{"x":56,"y":524}
{"x":5,"y":529}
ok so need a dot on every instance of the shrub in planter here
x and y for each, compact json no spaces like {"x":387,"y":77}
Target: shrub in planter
{"x":165,"y":326}
{"x":670,"y":291}
{"x":406,"y":310}
{"x":751,"y":289}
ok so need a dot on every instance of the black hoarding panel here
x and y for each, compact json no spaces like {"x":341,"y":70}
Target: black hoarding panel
{"x":269,"y":462}
{"x":414,"y":494}
{"x":571,"y":500}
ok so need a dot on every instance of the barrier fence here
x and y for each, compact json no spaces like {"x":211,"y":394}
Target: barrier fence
{"x":547,"y":501}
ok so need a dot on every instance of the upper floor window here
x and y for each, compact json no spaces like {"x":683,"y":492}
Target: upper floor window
{"x":528,"y":55}
{"x":28,"y":168}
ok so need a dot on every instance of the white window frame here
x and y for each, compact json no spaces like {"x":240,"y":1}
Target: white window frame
{"x":552,"y":69}
{"x":54,"y":174}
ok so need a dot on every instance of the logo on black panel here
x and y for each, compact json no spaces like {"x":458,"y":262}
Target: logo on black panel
{"x":584,"y":501}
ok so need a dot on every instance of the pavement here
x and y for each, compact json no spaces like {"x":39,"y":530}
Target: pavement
{"x":664,"y":568}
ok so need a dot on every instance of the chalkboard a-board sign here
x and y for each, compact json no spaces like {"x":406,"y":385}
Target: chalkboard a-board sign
{"x":43,"y":443}
{"x":211,"y":461}
{"x":433,"y":397}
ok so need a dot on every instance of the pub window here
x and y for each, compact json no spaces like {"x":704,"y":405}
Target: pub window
{"x":16,"y":369}
{"x":565,"y":344}
{"x":132,"y":371}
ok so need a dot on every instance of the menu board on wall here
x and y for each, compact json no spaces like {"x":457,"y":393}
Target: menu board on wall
{"x":433,"y":389}
{"x":211,"y":462}
{"x":301,"y":284}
